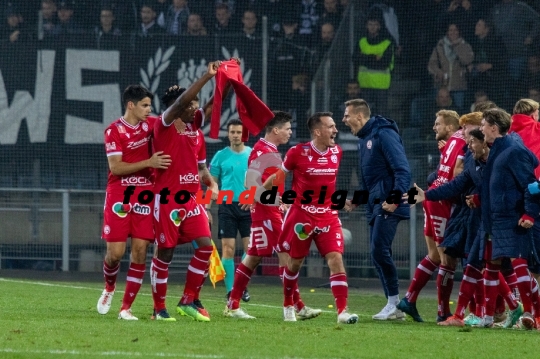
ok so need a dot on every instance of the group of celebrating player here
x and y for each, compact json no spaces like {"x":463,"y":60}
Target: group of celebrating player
{"x":168,"y":154}
{"x":478,"y":207}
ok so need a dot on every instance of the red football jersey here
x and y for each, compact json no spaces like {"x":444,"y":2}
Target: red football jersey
{"x":261,"y":212}
{"x":311,"y":171}
{"x":187,"y":150}
{"x":133,"y":144}
{"x":452,"y":150}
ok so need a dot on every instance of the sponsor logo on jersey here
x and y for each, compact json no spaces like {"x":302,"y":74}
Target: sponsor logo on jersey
{"x":334,"y":149}
{"x":121,"y":128}
{"x":310,"y":158}
{"x":141,"y":209}
{"x":321,"y":171}
{"x":109,"y":132}
{"x":304,"y":230}
{"x":178,"y":215}
{"x":315,"y":210}
{"x":189,"y":178}
{"x":322,"y":160}
{"x":134,"y":180}
{"x":136,"y":144}
{"x":306,"y":151}
{"x":110,"y":146}
{"x":120,"y":209}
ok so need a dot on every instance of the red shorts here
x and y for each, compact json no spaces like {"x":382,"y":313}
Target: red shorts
{"x":300,"y":227}
{"x":436,"y":216}
{"x":121,"y":221}
{"x":179,"y":223}
{"x":264,"y":238}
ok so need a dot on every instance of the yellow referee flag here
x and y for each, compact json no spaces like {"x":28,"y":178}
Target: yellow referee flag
{"x":216,"y":271}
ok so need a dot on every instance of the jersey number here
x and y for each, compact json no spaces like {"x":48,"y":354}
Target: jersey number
{"x":449,"y":150}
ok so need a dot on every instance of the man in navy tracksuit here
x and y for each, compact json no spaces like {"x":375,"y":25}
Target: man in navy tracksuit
{"x":386,"y":176}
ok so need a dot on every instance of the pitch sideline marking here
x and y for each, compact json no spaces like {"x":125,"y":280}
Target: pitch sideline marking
{"x":144,"y":294}
{"x":110,"y":353}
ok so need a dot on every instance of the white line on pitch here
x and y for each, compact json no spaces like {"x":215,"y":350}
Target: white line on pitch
{"x":109,"y":353}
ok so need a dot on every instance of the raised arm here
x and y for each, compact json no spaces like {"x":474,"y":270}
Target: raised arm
{"x":184,"y":101}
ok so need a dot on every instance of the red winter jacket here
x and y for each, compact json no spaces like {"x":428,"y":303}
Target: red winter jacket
{"x":529,"y":131}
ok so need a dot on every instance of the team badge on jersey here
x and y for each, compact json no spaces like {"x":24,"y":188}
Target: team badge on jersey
{"x":369,"y":145}
{"x":333,"y":158}
{"x":306,"y":151}
{"x":145,"y":127}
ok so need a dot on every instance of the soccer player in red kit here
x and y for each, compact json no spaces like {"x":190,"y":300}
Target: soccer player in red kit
{"x":452,"y":146}
{"x":127,"y":143}
{"x":266,"y":223}
{"x":178,"y":217}
{"x":314,"y":166}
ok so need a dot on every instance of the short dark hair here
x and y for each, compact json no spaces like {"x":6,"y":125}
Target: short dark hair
{"x":171,"y":95}
{"x":135,"y":93}
{"x":484,"y":105}
{"x":359,"y":105}
{"x":234,"y":122}
{"x":476,"y":133}
{"x":498,"y":117}
{"x":280,"y":119}
{"x":315,"y":120}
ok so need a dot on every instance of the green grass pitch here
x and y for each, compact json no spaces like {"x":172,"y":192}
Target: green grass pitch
{"x":59,"y":320}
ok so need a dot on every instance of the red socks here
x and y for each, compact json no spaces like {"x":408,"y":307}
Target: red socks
{"x":491,"y":283}
{"x":445,"y":284}
{"x":159,"y":273}
{"x":467,"y":289}
{"x":110,"y":274}
{"x":197,"y":268}
{"x":290,"y":283}
{"x":340,"y":290}
{"x":242,"y":276}
{"x":422,"y":275}
{"x":523,"y":283}
{"x":134,"y":281}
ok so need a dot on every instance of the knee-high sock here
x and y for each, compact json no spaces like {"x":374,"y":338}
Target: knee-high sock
{"x":491,"y":285}
{"x":159,"y":273}
{"x":228,"y":265}
{"x":297,"y":299}
{"x":241,"y":280}
{"x":467,"y":289}
{"x":506,"y":293}
{"x":480,"y":297}
{"x":110,"y":274}
{"x":290,"y":282}
{"x":340,"y":290}
{"x":134,"y":281}
{"x":422,"y":275}
{"x":523,"y":283}
{"x":195,"y":273}
{"x":445,"y":284}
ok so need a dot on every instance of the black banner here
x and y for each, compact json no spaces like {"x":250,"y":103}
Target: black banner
{"x":57,"y":98}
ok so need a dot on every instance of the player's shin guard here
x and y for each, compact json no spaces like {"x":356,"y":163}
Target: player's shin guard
{"x":290,"y":282}
{"x":134,"y":281}
{"x":242,"y":277}
{"x":523,"y":283}
{"x":445,"y":284}
{"x":491,"y":283}
{"x":467,"y":289}
{"x":195,"y":274}
{"x":422,"y":275}
{"x":340,"y":290}
{"x":159,"y":273}
{"x":110,"y":274}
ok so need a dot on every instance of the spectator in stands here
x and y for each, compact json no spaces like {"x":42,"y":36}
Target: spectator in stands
{"x":310,"y":13}
{"x":533,"y":69}
{"x":249,"y":29}
{"x":461,"y":13}
{"x":66,"y":24}
{"x":12,"y":30}
{"x":534,"y":92}
{"x":332,"y":13}
{"x":517,"y":24}
{"x":48,"y":14}
{"x":448,"y":65}
{"x":422,"y":110}
{"x":480,"y":96}
{"x":384,"y":10}
{"x":487,"y":72}
{"x":195,"y":26}
{"x":325,"y":42}
{"x":175,"y":19}
{"x":223,"y":24}
{"x":374,"y":59}
{"x":287,"y":58}
{"x":107,"y":35}
{"x":299,"y":105}
{"x":148,"y":26}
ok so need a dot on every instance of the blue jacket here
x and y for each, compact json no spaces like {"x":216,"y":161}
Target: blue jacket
{"x":463,"y":226}
{"x":505,"y":196}
{"x":383,"y":165}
